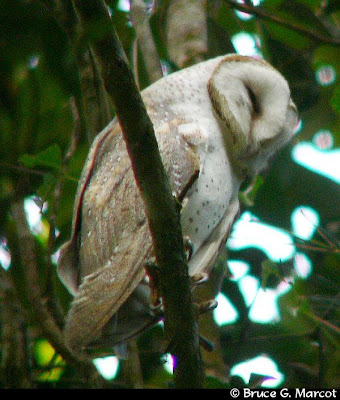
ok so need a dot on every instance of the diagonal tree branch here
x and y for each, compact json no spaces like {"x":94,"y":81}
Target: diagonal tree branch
{"x":288,"y":24}
{"x":187,"y":43}
{"x":161,"y":208}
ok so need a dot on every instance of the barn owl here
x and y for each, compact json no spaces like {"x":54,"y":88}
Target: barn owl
{"x":217,"y":123}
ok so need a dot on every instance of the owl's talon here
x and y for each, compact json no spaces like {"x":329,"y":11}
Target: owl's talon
{"x":198,"y":279}
{"x":156,"y":305}
{"x":206,"y":306}
{"x":153,"y":272}
{"x":189,"y":247}
{"x":206,"y":344}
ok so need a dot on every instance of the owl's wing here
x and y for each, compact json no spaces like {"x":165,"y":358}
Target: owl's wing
{"x":68,"y":262}
{"x":103,"y":263}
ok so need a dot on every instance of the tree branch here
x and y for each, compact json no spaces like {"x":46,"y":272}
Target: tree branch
{"x":187,"y":42}
{"x":15,"y":354}
{"x":288,"y":24}
{"x":161,"y":208}
{"x":44,"y":319}
{"x":140,"y":20}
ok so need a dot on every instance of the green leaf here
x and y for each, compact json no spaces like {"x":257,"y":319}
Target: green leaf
{"x":46,"y":189}
{"x":49,"y":158}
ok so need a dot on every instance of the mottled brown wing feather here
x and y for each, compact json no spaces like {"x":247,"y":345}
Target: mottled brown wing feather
{"x":68,"y":262}
{"x":111,"y":226}
{"x":101,"y":294}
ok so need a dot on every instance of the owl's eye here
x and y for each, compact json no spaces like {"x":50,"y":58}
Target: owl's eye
{"x":254,"y":101}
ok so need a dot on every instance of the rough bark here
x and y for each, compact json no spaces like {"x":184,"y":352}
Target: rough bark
{"x":15,"y":360}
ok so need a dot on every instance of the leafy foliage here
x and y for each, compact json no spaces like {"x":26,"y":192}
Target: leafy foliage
{"x":44,"y":146}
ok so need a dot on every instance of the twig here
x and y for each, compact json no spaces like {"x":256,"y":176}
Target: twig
{"x":288,"y":24}
{"x":162,"y":210}
{"x":22,"y":169}
{"x":131,"y":367}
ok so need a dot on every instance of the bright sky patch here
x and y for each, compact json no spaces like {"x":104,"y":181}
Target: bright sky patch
{"x":323,"y":162}
{"x":250,"y":232}
{"x":261,"y":365}
{"x":107,"y":366}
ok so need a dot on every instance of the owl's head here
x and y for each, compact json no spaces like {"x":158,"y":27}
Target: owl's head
{"x":255,"y":109}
